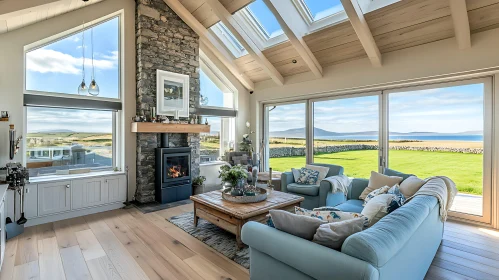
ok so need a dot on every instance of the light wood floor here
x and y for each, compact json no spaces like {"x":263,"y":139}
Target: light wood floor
{"x":126,"y":244}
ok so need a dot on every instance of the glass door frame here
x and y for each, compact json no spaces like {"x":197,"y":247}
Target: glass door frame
{"x":488,"y":144}
{"x":310,"y":143}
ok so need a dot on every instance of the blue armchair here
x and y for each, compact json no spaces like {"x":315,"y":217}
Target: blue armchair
{"x":315,"y":195}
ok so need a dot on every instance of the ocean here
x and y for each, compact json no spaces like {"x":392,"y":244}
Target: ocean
{"x":447,"y":137}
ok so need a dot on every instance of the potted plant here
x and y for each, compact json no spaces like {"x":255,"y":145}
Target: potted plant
{"x":198,"y":184}
{"x":234,"y":176}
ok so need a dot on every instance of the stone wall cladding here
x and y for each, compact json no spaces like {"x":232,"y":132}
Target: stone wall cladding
{"x":300,"y":151}
{"x":163,"y":42}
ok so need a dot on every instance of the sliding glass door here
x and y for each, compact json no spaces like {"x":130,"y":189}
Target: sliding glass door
{"x":346,"y":133}
{"x":445,"y":130}
{"x":285,"y":136}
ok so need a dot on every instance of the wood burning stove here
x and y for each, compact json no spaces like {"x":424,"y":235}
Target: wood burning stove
{"x":173,"y":172}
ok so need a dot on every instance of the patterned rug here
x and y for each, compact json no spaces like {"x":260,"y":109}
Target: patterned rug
{"x":222,"y":241}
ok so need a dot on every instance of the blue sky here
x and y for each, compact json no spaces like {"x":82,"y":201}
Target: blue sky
{"x":57,"y":66}
{"x":445,"y":110}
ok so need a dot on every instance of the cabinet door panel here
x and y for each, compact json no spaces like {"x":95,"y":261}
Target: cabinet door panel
{"x":117,"y":188}
{"x":90,"y":192}
{"x":54,"y":197}
{"x":31,"y":201}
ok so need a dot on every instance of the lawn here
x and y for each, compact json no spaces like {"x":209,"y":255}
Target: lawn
{"x":464,"y":169}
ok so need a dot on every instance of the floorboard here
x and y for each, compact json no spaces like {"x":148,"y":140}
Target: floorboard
{"x":126,"y":244}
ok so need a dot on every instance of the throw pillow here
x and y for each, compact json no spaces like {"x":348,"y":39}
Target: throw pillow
{"x":377,"y":181}
{"x":333,"y":235}
{"x":399,"y":198}
{"x":374,"y":193}
{"x":322,"y":171}
{"x":308,"y":176}
{"x":296,"y":174}
{"x":411,"y":185}
{"x":297,"y":225}
{"x":329,"y":216}
{"x":377,"y":208}
{"x":326,"y":208}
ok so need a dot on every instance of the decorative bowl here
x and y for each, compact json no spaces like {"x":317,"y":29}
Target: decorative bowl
{"x":261,"y":195}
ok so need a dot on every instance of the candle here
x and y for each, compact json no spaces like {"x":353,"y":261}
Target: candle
{"x":153,"y":112}
{"x":270,"y":174}
{"x":176,"y":114}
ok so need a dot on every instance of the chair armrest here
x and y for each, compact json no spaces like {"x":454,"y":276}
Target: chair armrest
{"x":356,"y":188}
{"x":312,"y":259}
{"x":286,"y":179}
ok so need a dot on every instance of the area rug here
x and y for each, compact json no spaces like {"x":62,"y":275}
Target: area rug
{"x":156,"y":206}
{"x":222,"y":241}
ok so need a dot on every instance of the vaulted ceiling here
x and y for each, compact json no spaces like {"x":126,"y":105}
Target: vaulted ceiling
{"x":400,"y":25}
{"x":15,"y":14}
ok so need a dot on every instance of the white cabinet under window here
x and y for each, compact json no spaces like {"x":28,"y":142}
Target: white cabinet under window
{"x":116,"y":191}
{"x":89,"y":192}
{"x":54,"y":197}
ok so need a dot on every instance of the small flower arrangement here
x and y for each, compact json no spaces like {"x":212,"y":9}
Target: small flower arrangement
{"x":232,"y":174}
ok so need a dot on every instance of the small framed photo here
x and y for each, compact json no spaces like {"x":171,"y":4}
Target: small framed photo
{"x":4,"y":114}
{"x":172,"y":94}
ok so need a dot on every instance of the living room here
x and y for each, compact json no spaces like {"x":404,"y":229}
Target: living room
{"x":249,"y":139}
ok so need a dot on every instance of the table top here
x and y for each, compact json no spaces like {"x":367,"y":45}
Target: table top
{"x":275,"y":200}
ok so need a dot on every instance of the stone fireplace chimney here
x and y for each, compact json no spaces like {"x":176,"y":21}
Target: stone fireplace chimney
{"x":164,"y":42}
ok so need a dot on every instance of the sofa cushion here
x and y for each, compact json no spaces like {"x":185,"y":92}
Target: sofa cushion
{"x":308,"y":176}
{"x":323,"y":170}
{"x":312,"y":190}
{"x":330,"y":216}
{"x":375,"y":193}
{"x":377,"y":181}
{"x":411,"y":185}
{"x":381,"y":242}
{"x":352,"y":205}
{"x":377,"y":208}
{"x":391,"y":172}
{"x":297,"y":225}
{"x":333,"y":235}
{"x":296,"y":173}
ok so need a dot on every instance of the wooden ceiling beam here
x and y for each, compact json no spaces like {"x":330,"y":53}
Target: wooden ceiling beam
{"x":295,"y":38}
{"x":359,"y":23}
{"x":228,"y":20}
{"x":461,"y":22}
{"x":211,"y":42}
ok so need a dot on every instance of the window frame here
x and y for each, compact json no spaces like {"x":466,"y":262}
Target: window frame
{"x":228,"y":39}
{"x":68,"y":33}
{"x":95,"y":103}
{"x":315,"y":25}
{"x":257,"y":31}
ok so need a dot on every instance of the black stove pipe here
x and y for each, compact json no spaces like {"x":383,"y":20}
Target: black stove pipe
{"x":164,"y":140}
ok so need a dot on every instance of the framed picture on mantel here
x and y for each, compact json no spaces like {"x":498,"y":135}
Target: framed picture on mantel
{"x":172,"y":94}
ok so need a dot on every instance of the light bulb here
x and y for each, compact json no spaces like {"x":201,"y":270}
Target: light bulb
{"x":82,"y":88}
{"x":93,"y":89}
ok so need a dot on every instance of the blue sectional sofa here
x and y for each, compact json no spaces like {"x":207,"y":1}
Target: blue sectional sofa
{"x":315,"y":195}
{"x":401,"y":245}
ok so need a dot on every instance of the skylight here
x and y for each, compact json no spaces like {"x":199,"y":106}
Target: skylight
{"x":228,"y":39}
{"x":264,"y":19}
{"x":320,"y":9}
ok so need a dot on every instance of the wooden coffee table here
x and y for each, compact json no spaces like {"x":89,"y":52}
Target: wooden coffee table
{"x":232,"y":216}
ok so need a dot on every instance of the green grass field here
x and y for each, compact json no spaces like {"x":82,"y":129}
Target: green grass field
{"x":464,"y":169}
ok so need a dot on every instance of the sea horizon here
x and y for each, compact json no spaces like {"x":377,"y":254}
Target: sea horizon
{"x":447,"y":137}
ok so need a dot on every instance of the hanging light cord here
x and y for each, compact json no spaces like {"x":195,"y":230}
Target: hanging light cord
{"x":92,"y":44}
{"x":83,"y":49}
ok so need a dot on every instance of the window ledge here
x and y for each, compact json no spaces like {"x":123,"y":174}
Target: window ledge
{"x":53,"y":178}
{"x":217,"y":162}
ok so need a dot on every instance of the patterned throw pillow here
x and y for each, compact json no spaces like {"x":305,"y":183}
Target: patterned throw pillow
{"x":375,"y":193}
{"x":399,"y":199}
{"x":330,"y":216}
{"x":326,"y":208}
{"x":308,"y":176}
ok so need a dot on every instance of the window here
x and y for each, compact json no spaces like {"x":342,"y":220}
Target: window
{"x":217,"y":105}
{"x":319,"y":9}
{"x":219,"y":140}
{"x":264,"y":19}
{"x":66,"y":131}
{"x":57,"y":67}
{"x":228,"y":39}
{"x":286,"y":136}
{"x":61,"y":139}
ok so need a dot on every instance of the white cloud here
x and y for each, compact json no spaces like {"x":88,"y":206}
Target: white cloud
{"x":50,"y":61}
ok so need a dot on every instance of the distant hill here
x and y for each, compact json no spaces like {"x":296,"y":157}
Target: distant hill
{"x":318,"y":132}
{"x":55,"y":131}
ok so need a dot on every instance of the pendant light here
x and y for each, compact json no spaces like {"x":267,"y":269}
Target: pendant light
{"x":94,"y":88}
{"x":82,"y":88}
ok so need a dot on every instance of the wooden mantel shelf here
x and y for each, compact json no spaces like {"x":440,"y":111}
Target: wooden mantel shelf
{"x":147,"y":127}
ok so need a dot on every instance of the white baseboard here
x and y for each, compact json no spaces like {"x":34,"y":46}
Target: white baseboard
{"x":73,"y":214}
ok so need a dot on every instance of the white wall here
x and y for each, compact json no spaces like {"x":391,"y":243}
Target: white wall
{"x":12,"y":71}
{"x":438,"y":58}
